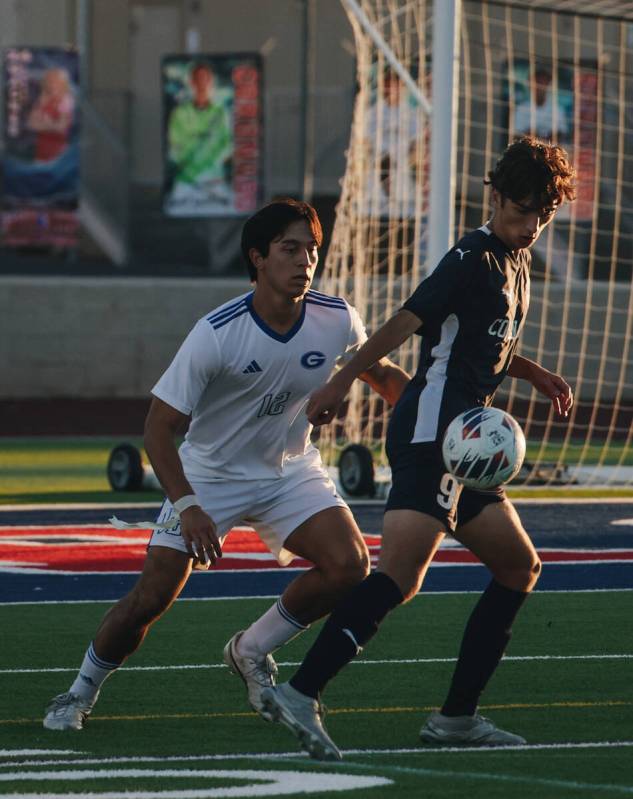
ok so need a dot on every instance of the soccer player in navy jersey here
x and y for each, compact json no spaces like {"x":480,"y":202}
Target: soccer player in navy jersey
{"x":241,"y":381}
{"x":469,"y":313}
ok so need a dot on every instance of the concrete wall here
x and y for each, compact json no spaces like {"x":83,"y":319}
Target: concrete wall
{"x":105,"y":337}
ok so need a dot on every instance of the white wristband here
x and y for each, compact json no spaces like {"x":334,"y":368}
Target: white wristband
{"x":186,"y":502}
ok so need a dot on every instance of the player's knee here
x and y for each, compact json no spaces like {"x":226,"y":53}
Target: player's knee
{"x":410,"y":589}
{"x":522,"y":577}
{"x":346,"y":572}
{"x":535,"y":571}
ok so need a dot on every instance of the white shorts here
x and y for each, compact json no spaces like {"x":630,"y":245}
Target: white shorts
{"x":274,"y":508}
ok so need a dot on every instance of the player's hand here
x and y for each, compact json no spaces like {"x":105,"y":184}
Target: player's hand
{"x":200,"y":534}
{"x":554,"y":387}
{"x":324,"y":404}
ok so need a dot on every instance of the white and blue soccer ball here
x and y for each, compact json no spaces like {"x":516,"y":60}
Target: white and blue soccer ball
{"x":483,"y":448}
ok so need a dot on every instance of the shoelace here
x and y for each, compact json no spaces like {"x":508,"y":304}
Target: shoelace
{"x":63,"y":701}
{"x":266,"y":666}
{"x":321,"y":709}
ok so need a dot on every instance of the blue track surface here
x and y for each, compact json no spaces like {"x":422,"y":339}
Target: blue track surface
{"x":553,"y":525}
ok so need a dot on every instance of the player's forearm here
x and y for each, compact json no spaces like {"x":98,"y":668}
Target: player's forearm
{"x":522,"y":368}
{"x":390,"y":336}
{"x":388,"y":379}
{"x":163,"y":455}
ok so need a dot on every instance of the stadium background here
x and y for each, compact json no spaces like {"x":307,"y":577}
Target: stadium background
{"x":145,"y":277}
{"x":83,"y":338}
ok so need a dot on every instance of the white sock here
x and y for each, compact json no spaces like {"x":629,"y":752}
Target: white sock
{"x":91,"y":675}
{"x":272,"y":630}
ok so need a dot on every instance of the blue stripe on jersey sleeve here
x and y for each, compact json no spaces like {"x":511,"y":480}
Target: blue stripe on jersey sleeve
{"x":319,"y":296}
{"x":225,"y":311}
{"x":221,"y":322}
{"x":313,"y":301}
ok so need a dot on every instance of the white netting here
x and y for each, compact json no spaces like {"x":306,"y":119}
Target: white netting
{"x":523,"y":68}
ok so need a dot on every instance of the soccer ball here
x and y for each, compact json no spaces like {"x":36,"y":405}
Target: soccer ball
{"x":483,"y":448}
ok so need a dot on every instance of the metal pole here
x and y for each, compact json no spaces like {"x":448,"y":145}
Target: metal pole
{"x":310,"y":57}
{"x":303,"y":96}
{"x":83,"y":46}
{"x":446,"y":27}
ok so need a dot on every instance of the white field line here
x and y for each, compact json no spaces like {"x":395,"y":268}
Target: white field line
{"x":592,"y":788}
{"x":77,"y":506}
{"x":420,"y":750}
{"x":350,"y":501}
{"x":452,"y":774}
{"x":22,"y":752}
{"x":19,"y":568}
{"x":426,"y":594}
{"x":390,"y":662}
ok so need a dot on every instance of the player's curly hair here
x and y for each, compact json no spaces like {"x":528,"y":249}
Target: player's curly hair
{"x":534,"y":169}
{"x":270,"y":223}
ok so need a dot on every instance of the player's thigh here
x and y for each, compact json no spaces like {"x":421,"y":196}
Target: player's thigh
{"x":421,"y":508}
{"x":497,"y":537}
{"x":331,"y":540}
{"x":409,"y":542}
{"x":294,"y":514}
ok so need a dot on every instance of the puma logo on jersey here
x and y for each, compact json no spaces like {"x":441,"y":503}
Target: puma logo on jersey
{"x":462,"y":253}
{"x":252,"y":368}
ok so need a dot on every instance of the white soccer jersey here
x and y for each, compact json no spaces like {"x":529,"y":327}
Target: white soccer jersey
{"x":246,"y":386}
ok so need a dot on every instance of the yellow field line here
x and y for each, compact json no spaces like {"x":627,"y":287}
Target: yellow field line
{"x":344,"y":711}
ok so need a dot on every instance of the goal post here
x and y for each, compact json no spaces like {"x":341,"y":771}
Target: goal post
{"x":414,"y":184}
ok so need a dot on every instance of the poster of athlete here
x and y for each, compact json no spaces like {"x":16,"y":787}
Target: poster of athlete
{"x":212,"y":134}
{"x":40,"y":162}
{"x":558,"y":104}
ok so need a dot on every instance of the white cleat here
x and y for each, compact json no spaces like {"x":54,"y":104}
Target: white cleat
{"x":304,"y":718}
{"x":466,"y":730}
{"x":67,"y":712}
{"x":256,"y":674}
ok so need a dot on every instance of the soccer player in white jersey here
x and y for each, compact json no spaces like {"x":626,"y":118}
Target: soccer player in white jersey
{"x":469,"y":313}
{"x":243,"y":375}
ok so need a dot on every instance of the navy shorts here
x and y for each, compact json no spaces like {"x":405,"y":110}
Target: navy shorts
{"x":419,"y":481}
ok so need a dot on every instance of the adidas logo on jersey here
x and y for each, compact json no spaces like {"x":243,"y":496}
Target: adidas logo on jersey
{"x":252,"y":368}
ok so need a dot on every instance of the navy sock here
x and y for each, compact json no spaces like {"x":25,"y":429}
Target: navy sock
{"x":486,"y":637}
{"x":350,"y":626}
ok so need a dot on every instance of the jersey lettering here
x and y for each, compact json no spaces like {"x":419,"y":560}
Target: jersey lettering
{"x":504,"y":329}
{"x":273,"y":404}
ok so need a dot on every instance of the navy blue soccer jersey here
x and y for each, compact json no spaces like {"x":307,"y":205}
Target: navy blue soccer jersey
{"x":472,"y":308}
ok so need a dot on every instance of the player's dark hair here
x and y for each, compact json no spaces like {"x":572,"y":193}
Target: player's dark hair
{"x":270,"y":223}
{"x":532,"y":168}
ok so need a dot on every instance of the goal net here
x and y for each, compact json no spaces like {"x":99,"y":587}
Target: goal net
{"x":525,"y":67}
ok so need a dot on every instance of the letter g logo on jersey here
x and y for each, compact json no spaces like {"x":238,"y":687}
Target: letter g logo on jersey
{"x":312,"y":359}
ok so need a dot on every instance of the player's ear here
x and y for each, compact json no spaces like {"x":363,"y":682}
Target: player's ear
{"x":256,"y":257}
{"x":497,"y":198}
